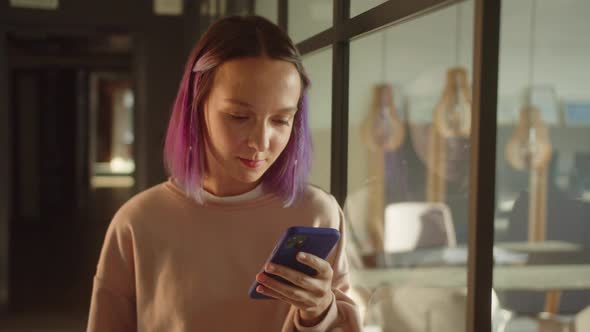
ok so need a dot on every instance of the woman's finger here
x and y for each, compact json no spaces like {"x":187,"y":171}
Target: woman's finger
{"x":297,"y":278}
{"x":269,"y":292}
{"x":295,"y":295}
{"x":322,"y":266}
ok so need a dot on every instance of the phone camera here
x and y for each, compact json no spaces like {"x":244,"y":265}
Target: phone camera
{"x":299,"y":243}
{"x":296,"y":241}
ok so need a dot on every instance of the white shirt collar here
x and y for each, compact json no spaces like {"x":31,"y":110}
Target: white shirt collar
{"x":250,"y":195}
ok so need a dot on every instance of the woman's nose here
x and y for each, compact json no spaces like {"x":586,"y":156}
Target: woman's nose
{"x":259,"y":137}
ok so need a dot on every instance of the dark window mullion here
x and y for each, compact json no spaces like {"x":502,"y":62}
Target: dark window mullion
{"x":390,"y":12}
{"x":340,"y":85}
{"x":387,"y":13}
{"x":483,"y":164}
{"x":283,"y":15}
{"x":325,"y":38}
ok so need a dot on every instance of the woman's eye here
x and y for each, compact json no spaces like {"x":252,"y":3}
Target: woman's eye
{"x":282,"y":121}
{"x":239,"y":117}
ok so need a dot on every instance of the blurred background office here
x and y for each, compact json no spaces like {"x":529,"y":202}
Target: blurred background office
{"x":85,"y":93}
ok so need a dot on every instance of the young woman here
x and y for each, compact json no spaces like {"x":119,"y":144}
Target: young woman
{"x":182,"y":255}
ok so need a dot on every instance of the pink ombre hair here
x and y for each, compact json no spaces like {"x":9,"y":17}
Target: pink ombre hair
{"x":229,"y":38}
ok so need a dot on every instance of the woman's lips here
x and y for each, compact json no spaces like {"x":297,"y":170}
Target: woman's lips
{"x":251,"y":163}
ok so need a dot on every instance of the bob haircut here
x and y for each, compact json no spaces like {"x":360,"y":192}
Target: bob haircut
{"x":184,"y":149}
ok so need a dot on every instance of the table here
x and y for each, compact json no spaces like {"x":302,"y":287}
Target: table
{"x":551,"y":267}
{"x":523,"y":277}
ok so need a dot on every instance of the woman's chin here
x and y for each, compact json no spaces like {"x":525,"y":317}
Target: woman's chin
{"x":250,"y":177}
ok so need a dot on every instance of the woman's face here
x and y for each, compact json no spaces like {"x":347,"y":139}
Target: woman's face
{"x":248,"y":117}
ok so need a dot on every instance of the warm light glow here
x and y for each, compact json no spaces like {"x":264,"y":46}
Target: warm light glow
{"x":110,"y":181}
{"x":120,"y":165}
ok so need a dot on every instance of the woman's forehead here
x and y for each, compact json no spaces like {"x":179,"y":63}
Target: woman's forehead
{"x":257,"y":70}
{"x":258,"y":79}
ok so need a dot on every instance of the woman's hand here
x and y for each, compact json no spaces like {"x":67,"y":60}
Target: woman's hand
{"x":312,"y":296}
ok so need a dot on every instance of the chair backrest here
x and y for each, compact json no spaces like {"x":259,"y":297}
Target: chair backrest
{"x":414,"y":225}
{"x":583,"y":320}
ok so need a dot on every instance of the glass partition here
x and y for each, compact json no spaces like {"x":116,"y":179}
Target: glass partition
{"x":309,"y":17}
{"x":319,"y":68}
{"x":268,"y":9}
{"x":543,"y":164}
{"x":408,"y":171}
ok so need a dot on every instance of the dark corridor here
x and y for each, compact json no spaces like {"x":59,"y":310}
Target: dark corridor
{"x":58,"y":220}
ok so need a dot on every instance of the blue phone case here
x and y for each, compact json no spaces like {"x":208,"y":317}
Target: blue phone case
{"x":314,"y":240}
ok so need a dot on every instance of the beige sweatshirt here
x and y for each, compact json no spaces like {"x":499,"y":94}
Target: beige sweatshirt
{"x":171,"y":264}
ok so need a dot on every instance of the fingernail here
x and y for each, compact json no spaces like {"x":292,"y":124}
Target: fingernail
{"x":259,"y":289}
{"x":270,"y":267}
{"x":301,"y":255}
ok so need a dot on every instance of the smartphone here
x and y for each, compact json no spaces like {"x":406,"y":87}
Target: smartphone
{"x":317,"y":241}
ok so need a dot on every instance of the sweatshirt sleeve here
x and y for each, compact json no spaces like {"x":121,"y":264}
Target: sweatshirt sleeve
{"x":112,"y":306}
{"x":343,"y":314}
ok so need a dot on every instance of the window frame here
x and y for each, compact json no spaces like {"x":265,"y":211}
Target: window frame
{"x":483,"y":130}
